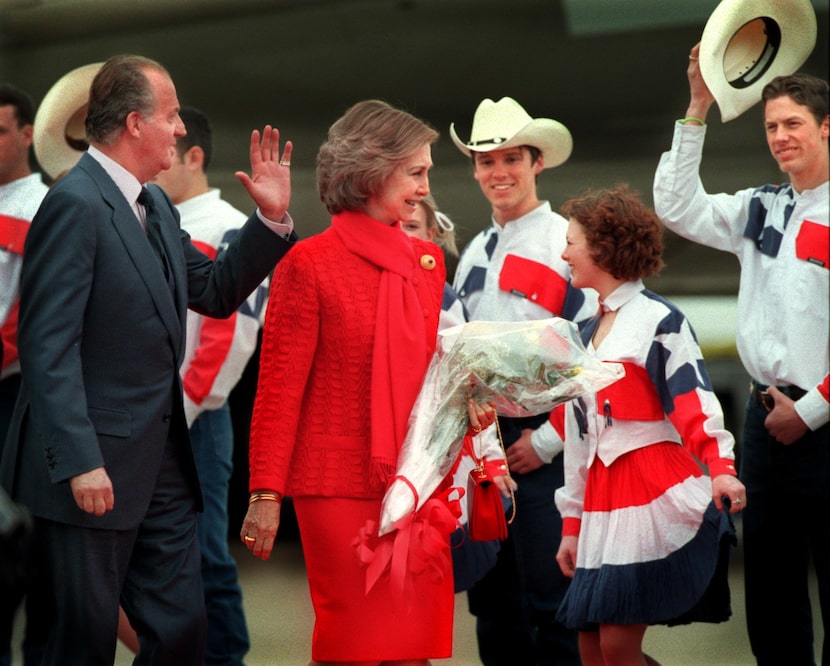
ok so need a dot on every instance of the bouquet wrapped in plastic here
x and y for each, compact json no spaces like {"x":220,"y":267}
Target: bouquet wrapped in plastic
{"x":522,"y":368}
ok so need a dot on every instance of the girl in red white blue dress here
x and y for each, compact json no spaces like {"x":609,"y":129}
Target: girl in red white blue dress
{"x":646,"y":529}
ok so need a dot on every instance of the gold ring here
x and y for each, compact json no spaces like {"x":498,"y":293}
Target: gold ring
{"x":477,"y":428}
{"x":249,"y":539}
{"x":285,"y":163}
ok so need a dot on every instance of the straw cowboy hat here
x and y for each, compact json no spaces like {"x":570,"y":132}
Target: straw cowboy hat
{"x":59,"y":135}
{"x":505,"y":124}
{"x":747,"y":43}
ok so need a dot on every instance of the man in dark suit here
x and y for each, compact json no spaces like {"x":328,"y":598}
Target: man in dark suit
{"x":98,"y":447}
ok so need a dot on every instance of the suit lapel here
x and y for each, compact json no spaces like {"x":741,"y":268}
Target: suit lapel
{"x":128,"y":228}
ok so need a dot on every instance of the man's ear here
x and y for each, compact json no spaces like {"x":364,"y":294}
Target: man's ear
{"x":194,"y":158}
{"x":133,"y":123}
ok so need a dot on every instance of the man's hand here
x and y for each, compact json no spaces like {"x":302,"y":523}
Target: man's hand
{"x":93,"y":491}
{"x":521,"y":456}
{"x":270,"y":182}
{"x":783,"y":421}
{"x":700,"y":98}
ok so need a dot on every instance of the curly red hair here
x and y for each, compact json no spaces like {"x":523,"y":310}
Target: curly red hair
{"x":626,"y":237}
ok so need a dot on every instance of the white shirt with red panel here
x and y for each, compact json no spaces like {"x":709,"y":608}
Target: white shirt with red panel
{"x":782,"y":241}
{"x":217,"y":349}
{"x":516,"y":273}
{"x":19,"y":201}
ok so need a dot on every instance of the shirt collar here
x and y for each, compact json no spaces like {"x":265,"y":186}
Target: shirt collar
{"x":543,"y":210}
{"x":622,"y":294}
{"x":124,"y":180}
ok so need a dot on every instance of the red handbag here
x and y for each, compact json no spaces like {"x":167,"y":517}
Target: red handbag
{"x":486,"y":512}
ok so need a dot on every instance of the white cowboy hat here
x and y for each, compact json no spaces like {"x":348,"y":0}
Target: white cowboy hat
{"x":747,"y":43}
{"x":59,"y":135}
{"x":505,"y":124}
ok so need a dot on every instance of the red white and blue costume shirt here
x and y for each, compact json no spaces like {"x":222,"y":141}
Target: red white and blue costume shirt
{"x":217,"y":349}
{"x":782,"y":241}
{"x":19,"y":201}
{"x":665,"y":396}
{"x":516,"y":273}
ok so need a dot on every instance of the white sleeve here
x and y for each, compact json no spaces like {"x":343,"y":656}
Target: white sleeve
{"x":546,"y":442}
{"x":682,"y":203}
{"x":569,"y":498}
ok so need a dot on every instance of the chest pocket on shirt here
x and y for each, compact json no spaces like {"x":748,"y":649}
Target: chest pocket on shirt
{"x":813,"y":244}
{"x":534,"y":281}
{"x":632,"y":397}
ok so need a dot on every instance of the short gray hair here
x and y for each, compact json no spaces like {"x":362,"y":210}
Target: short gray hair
{"x":363,"y":148}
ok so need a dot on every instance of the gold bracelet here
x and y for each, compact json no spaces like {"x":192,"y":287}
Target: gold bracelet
{"x":271,"y":496}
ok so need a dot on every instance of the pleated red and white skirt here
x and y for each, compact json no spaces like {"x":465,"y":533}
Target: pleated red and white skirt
{"x":652,"y":549}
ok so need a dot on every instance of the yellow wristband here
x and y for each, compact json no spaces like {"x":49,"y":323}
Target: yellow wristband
{"x":683,"y":121}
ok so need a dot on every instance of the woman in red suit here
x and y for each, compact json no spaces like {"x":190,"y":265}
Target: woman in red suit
{"x":350,"y":329}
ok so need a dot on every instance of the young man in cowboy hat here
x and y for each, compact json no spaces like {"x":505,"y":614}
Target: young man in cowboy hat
{"x":512,"y":271}
{"x":780,"y":235}
{"x":98,"y":447}
{"x":21,"y":192}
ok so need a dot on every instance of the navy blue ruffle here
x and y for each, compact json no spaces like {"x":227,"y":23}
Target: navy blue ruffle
{"x":690,"y":585}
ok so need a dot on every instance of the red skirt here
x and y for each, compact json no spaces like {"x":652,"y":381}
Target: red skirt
{"x":383,"y":624}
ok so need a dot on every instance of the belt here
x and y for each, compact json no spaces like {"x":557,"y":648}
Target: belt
{"x":758,"y":391}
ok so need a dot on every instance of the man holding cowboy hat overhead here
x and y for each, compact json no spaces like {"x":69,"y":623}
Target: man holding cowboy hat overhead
{"x":512,"y":271}
{"x":780,"y":235}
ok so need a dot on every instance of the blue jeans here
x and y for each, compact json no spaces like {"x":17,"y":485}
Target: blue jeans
{"x":227,"y":634}
{"x":515,"y":604}
{"x":785,"y":523}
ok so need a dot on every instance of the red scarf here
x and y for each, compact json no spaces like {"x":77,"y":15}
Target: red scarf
{"x":401,"y":351}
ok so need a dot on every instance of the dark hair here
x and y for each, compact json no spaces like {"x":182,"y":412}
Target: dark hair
{"x":119,"y":88}
{"x":626,"y":237}
{"x":363,"y":148}
{"x":199,"y":133}
{"x":533,"y":150}
{"x":24,"y":108}
{"x":803,"y":89}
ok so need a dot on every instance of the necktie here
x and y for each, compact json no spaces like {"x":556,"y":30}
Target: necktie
{"x":153,"y":228}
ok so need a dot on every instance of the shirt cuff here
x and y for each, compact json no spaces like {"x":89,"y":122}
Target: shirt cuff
{"x":571,"y":526}
{"x":722,"y":466}
{"x":546,"y":442}
{"x":283,"y":228}
{"x":813,"y":409}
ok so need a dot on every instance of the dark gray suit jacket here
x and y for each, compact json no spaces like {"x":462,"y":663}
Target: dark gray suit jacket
{"x":101,"y":339}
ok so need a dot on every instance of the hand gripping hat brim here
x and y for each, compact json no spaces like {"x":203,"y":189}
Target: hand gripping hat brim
{"x":505,"y":124}
{"x":747,"y":43}
{"x":59,"y":134}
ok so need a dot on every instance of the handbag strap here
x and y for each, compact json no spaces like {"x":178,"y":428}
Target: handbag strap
{"x":480,"y":463}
